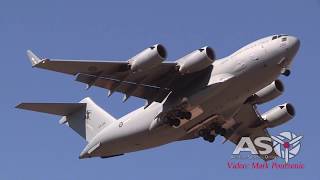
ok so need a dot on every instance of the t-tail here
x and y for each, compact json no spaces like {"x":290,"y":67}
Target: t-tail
{"x":85,"y":117}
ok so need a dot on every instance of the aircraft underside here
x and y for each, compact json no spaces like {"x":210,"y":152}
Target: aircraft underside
{"x":194,"y":96}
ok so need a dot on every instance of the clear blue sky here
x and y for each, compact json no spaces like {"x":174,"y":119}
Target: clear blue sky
{"x":34,"y":146}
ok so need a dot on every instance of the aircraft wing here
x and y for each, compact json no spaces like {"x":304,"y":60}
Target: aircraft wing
{"x":153,"y":84}
{"x":249,"y":121}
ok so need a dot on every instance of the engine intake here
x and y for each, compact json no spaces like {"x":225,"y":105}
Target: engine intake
{"x":196,"y":61}
{"x":268,"y":93}
{"x":148,"y":58}
{"x":279,"y":115}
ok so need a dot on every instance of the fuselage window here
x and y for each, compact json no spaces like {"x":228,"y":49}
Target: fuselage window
{"x":283,"y":39}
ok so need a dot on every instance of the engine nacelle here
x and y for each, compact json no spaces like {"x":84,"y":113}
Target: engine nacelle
{"x":279,"y":115}
{"x":268,"y":93}
{"x":196,"y":61}
{"x":148,"y":58}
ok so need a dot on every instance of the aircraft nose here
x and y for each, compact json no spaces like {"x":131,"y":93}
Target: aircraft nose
{"x":293,"y":44}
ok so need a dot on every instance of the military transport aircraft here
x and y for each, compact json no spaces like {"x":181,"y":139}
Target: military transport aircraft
{"x":194,"y":96}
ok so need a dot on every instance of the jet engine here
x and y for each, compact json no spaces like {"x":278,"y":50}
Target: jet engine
{"x":279,"y":115}
{"x":268,"y":93}
{"x":148,"y":58}
{"x":196,"y":61}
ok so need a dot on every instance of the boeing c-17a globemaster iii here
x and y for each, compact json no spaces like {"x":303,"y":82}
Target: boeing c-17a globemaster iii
{"x":194,"y":96}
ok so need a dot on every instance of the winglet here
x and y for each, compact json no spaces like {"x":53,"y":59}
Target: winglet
{"x":33,"y":58}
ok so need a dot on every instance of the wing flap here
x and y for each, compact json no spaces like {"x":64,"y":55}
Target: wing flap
{"x":140,"y":90}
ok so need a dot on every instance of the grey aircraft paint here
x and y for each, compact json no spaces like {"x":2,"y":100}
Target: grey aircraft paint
{"x":197,"y":97}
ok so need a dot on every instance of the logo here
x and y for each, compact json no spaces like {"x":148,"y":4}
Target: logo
{"x":286,"y":145}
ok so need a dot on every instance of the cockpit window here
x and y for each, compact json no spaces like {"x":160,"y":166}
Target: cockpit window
{"x":282,"y":35}
{"x":279,"y":36}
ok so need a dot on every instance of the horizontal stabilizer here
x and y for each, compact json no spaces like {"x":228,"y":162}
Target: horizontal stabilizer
{"x":62,"y":109}
{"x":85,"y":117}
